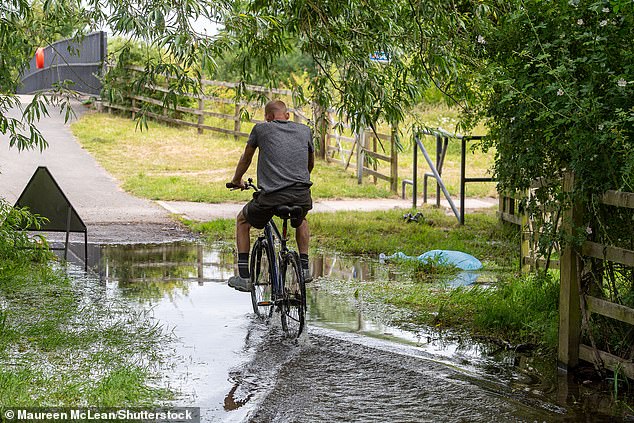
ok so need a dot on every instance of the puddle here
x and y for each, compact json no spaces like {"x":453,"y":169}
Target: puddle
{"x":354,"y":365}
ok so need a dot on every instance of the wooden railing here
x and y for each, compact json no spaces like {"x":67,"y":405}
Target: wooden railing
{"x":575,"y":306}
{"x":509,"y":211}
{"x":363,"y":147}
{"x":360,"y":146}
{"x":578,"y":306}
{"x":207,"y":106}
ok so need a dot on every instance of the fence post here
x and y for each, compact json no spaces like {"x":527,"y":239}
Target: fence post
{"x":327,"y":138}
{"x":569,"y":299}
{"x":525,"y":244}
{"x":360,"y":154}
{"x":320,"y":128}
{"x":393,"y":162}
{"x":201,"y":117}
{"x":236,"y":122}
{"x":501,"y":204}
{"x":133,"y":108}
{"x":374,"y":165}
{"x":296,"y":117}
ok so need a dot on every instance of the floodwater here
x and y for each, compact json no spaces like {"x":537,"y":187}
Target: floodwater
{"x":355,"y":364}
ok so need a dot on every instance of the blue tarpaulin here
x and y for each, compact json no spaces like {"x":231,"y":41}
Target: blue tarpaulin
{"x":458,"y":259}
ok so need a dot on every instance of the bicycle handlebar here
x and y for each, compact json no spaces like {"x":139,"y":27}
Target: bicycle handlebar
{"x":248,"y":185}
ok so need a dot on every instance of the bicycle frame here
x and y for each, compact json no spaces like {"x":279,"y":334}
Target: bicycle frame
{"x":270,"y":234}
{"x":286,"y":291}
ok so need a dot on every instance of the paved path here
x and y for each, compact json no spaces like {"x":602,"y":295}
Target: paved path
{"x":113,"y":215}
{"x":203,"y":211}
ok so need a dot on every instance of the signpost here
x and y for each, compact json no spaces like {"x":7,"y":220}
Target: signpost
{"x":43,"y":196}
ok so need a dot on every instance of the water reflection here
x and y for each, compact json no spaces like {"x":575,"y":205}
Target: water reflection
{"x":154,"y":271}
{"x":229,"y":367}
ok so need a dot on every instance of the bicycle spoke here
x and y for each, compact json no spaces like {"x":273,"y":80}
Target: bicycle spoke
{"x":261,"y":278}
{"x":294,"y":299}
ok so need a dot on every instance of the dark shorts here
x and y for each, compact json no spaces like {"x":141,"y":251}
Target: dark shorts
{"x":260,"y":210}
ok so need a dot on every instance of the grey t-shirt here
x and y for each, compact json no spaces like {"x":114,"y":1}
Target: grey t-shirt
{"x":283,"y":158}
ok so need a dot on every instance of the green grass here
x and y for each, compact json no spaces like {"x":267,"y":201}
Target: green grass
{"x":64,"y":343}
{"x":513,"y":311}
{"x":386,"y":232}
{"x":171,"y":163}
{"x":375,"y":232}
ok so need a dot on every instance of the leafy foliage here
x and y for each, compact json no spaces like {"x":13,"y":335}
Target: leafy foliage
{"x":15,"y":243}
{"x":558,"y":96}
{"x":419,"y":39}
{"x":163,"y":25}
{"x":556,"y":91}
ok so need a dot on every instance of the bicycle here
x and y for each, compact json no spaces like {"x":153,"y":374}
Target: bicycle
{"x":277,"y":280}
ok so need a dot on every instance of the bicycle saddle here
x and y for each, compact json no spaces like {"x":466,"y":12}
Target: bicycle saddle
{"x":294,"y":213}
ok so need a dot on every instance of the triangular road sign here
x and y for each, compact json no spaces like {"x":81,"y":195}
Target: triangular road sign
{"x":43,"y":196}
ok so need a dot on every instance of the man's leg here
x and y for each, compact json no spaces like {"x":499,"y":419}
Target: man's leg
{"x":242,"y":234}
{"x":242,"y":283}
{"x":302,"y":236}
{"x":243,"y":243}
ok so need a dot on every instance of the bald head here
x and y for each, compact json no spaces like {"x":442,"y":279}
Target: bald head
{"x":275,"y":110}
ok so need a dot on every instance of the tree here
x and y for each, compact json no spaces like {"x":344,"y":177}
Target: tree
{"x":425,"y":43}
{"x":557,"y":92}
{"x":28,"y":24}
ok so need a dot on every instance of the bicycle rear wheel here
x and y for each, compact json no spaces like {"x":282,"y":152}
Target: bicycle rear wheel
{"x":293,"y":308}
{"x":261,"y":275}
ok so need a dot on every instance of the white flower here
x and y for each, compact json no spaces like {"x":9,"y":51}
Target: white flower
{"x":560,"y":92}
{"x":606,"y":10}
{"x":589,"y":230}
{"x":601,"y":126}
{"x":621,"y":82}
{"x":603,"y":22}
{"x":579,"y":21}
{"x":573,"y":2}
{"x":512,"y":118}
{"x":481,"y":39}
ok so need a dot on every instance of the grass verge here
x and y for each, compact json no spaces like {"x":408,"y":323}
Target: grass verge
{"x":514,"y":311}
{"x":375,"y":232}
{"x":167,"y":163}
{"x":171,"y":163}
{"x":64,"y":343}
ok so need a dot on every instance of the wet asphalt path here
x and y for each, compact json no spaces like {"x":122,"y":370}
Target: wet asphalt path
{"x":111,"y":214}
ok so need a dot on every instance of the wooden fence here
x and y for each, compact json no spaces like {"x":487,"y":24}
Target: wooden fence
{"x":575,"y":305}
{"x":511,"y":212}
{"x":363,"y":147}
{"x":208,"y":105}
{"x":366,"y":159}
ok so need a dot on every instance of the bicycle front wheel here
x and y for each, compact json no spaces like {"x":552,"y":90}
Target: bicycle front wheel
{"x":293,"y":307}
{"x":261,"y":276}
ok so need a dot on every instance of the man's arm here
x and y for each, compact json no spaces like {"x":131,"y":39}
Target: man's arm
{"x":243,"y":165}
{"x":311,"y":161}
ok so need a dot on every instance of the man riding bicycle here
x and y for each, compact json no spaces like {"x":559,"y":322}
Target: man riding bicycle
{"x":285,"y":161}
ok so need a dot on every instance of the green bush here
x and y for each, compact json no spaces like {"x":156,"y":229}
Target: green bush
{"x":120,"y":81}
{"x":15,"y":243}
